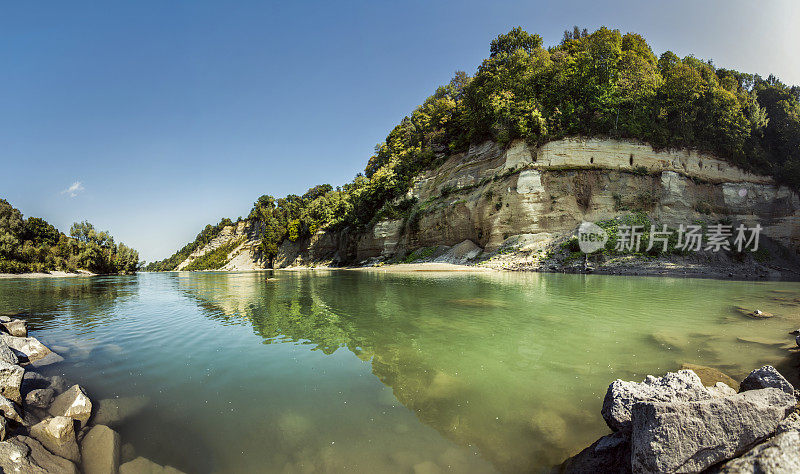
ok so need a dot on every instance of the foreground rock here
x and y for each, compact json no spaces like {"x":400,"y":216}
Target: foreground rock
{"x":692,"y":436}
{"x":766,"y":377}
{"x":100,"y":448}
{"x":683,"y":385}
{"x":9,"y":410}
{"x":6,"y":354}
{"x":26,"y":455}
{"x":74,"y":403}
{"x":674,"y":424}
{"x":58,"y":436}
{"x":11,"y":381}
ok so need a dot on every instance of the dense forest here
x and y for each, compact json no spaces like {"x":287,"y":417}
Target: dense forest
{"x":603,"y":84}
{"x":34,"y":245}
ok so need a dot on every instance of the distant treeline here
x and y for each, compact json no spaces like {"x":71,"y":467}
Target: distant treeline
{"x":33,"y":245}
{"x":604,"y":83}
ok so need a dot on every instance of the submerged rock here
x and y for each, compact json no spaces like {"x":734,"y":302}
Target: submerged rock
{"x":683,"y":385}
{"x":609,"y":454}
{"x":16,"y":327}
{"x":100,"y":449}
{"x":690,"y":436}
{"x":40,"y":397}
{"x":765,"y":377}
{"x":73,"y":403}
{"x":11,"y":381}
{"x":142,"y":465}
{"x":113,"y":410}
{"x":58,"y":436}
{"x":709,"y":376}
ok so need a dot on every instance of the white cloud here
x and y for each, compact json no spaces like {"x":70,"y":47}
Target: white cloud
{"x":74,"y":189}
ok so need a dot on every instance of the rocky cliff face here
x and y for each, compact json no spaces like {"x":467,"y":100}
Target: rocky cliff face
{"x":495,"y":197}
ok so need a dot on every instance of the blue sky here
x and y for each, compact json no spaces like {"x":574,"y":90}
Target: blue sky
{"x":153,"y":118}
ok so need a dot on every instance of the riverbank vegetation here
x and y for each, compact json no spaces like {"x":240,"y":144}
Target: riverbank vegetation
{"x":604,"y":83}
{"x":34,"y":245}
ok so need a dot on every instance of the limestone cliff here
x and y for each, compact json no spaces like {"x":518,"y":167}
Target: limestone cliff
{"x":521,"y":196}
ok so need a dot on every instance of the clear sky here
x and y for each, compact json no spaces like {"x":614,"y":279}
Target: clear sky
{"x":153,"y":118}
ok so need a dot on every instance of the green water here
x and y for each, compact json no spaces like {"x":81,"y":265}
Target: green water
{"x":333,"y":371}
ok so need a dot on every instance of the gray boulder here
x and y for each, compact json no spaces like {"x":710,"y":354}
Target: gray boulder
{"x":58,"y":436}
{"x":100,"y":448}
{"x":73,"y":403}
{"x":26,"y":455}
{"x":690,"y":436}
{"x":609,"y":454}
{"x":9,"y":410}
{"x":777,"y":455}
{"x":11,"y":381}
{"x":7,"y":355}
{"x":29,"y":348}
{"x":16,"y":327}
{"x":40,"y":397}
{"x":766,"y":377}
{"x":3,"y":426}
{"x":683,"y":385}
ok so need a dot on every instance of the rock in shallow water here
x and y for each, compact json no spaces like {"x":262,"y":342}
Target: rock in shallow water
{"x":766,"y":377}
{"x":40,"y":397}
{"x":111,"y":411}
{"x":73,"y":403}
{"x":609,"y":454}
{"x":16,"y":327}
{"x":142,"y":465}
{"x":100,"y":448}
{"x":58,"y":436}
{"x":29,"y":348}
{"x":683,"y":385}
{"x":710,"y":376}
{"x":690,"y":436}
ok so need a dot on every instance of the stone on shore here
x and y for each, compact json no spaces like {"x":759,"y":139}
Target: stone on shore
{"x":73,"y":403}
{"x":11,"y":381}
{"x":683,"y":385}
{"x":58,"y":436}
{"x":16,"y":327}
{"x":710,"y":376}
{"x":690,"y":436}
{"x":766,"y":377}
{"x":7,"y":355}
{"x":609,"y":454}
{"x":29,"y":347}
{"x":777,"y":455}
{"x":9,"y":410}
{"x":26,"y":455}
{"x":100,"y":448}
{"x":142,"y":465}
{"x":3,"y":425}
{"x":40,"y":398}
